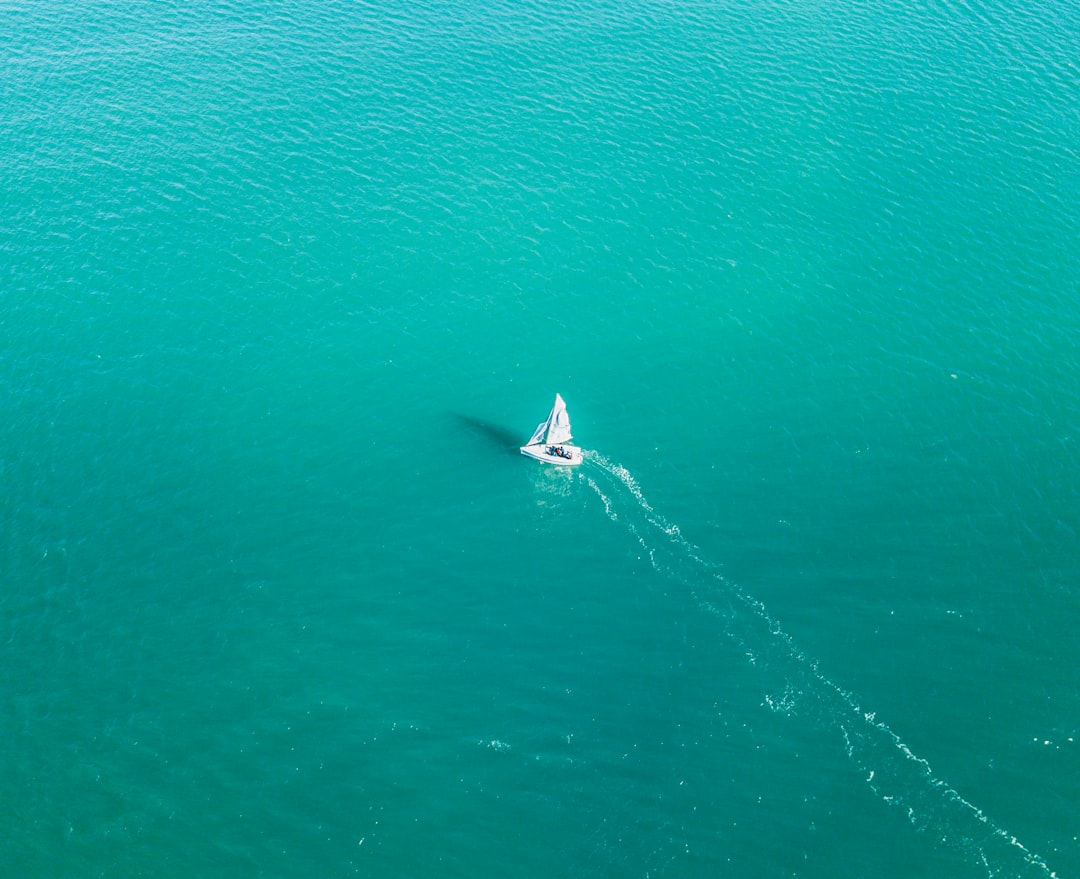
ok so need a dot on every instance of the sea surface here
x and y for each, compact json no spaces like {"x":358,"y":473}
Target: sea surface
{"x":283,"y":286}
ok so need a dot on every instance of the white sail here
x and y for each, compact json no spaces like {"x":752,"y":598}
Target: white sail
{"x":538,"y":434}
{"x":551,"y":440}
{"x":558,"y":423}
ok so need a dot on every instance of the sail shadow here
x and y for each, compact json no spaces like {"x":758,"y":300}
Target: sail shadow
{"x":494,"y":434}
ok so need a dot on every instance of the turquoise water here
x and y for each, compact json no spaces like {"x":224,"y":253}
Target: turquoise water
{"x":282,"y":291}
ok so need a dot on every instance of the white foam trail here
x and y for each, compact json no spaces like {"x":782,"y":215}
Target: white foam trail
{"x":892,"y":770}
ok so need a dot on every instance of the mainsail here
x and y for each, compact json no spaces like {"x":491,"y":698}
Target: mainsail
{"x":556,"y":430}
{"x":558,"y":423}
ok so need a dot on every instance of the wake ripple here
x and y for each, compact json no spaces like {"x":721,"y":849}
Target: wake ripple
{"x":896,"y":774}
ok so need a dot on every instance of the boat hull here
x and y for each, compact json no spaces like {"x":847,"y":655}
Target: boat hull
{"x":571,"y":456}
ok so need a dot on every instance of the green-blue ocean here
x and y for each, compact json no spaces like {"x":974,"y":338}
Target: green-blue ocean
{"x":283,"y":288}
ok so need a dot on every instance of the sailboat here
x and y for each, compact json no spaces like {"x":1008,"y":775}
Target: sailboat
{"x":550,"y":441}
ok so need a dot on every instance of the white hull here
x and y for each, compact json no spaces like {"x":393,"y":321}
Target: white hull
{"x":541,"y":452}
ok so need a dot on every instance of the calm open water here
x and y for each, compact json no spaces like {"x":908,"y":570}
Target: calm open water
{"x":283,"y":287}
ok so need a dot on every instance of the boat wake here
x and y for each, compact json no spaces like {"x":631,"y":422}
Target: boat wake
{"x":897,"y":775}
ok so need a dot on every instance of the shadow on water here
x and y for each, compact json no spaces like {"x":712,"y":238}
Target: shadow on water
{"x":496,"y":435}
